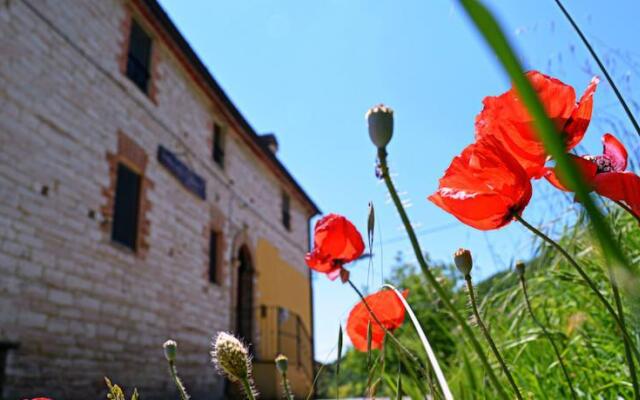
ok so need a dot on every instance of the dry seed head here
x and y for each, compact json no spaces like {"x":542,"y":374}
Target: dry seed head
{"x":170,"y":349}
{"x":380,"y":120}
{"x":231,"y":357}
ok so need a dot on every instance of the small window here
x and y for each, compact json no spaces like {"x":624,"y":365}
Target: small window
{"x":286,"y":211}
{"x":214,"y":261}
{"x":126,"y":207}
{"x":218,"y":144}
{"x":139,"y":57}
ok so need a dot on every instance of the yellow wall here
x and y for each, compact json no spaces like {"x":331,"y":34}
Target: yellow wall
{"x":281,"y":284}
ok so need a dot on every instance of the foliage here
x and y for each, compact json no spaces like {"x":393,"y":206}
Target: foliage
{"x":116,"y":393}
{"x":582,"y":329}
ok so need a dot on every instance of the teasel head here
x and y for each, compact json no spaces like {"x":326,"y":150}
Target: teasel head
{"x":231,"y":357}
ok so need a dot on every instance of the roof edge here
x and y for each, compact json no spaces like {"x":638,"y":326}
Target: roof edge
{"x":169,"y":27}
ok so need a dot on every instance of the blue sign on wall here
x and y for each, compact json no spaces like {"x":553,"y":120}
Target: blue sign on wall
{"x":189,"y":179}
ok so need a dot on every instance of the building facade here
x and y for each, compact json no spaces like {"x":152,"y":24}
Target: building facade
{"x":136,"y":205}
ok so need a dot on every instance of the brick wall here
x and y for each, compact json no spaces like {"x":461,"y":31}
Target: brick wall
{"x":80,"y":306}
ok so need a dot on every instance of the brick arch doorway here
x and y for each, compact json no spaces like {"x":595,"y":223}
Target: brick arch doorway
{"x":244,"y":301}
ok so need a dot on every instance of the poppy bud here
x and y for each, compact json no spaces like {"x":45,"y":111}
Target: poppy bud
{"x":282,"y":362}
{"x":463,"y":261}
{"x":231,"y":357}
{"x":380,"y":119}
{"x":520,"y":267}
{"x":170,"y":349}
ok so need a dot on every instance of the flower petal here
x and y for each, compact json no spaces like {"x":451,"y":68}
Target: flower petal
{"x":386,"y":307}
{"x":620,"y":186}
{"x":581,"y":116}
{"x":587,"y":167}
{"x":615,"y":152}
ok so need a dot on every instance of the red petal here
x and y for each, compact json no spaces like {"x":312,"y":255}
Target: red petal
{"x":581,"y":116}
{"x":336,"y":242}
{"x":620,"y":186}
{"x":505,"y":118}
{"x":483,"y":186}
{"x":386,"y":307}
{"x":587,"y":167}
{"x":615,"y":152}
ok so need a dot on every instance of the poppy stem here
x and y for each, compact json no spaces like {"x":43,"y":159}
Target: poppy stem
{"x":601,"y":65}
{"x":523,"y":284}
{"x":433,"y":360}
{"x":487,"y":335}
{"x":627,"y":209}
{"x":384,"y":171}
{"x":628,"y":343}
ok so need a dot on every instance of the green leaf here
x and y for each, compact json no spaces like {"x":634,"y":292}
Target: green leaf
{"x":399,"y":384}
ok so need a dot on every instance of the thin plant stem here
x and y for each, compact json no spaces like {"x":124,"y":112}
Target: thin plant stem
{"x":285,"y":386}
{"x":628,"y":209}
{"x":174,"y":375}
{"x":433,"y":360}
{"x":384,"y":171}
{"x":628,"y":343}
{"x":604,"y":70}
{"x":248,"y":390}
{"x":487,"y":335}
{"x":546,"y":333}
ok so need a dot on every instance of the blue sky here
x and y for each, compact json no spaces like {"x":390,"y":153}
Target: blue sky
{"x":308,"y":71}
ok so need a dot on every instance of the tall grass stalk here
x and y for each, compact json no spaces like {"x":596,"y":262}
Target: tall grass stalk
{"x":547,"y":335}
{"x":604,"y":70}
{"x":384,"y":171}
{"x":619,"y":319}
{"x":487,"y":335}
{"x":433,"y":360}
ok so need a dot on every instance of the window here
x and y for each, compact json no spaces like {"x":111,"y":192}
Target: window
{"x":286,"y":211}
{"x":218,"y":144}
{"x":126,"y":207}
{"x":214,"y":261}
{"x":139,"y":57}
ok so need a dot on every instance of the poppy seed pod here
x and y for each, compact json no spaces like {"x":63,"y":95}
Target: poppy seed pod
{"x":170,"y":349}
{"x":231,"y":357}
{"x":463,"y":261}
{"x":282,"y":363}
{"x":380,"y":120}
{"x":520,"y":267}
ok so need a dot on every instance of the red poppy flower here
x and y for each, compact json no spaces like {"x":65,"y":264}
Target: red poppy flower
{"x":335,"y":242}
{"x":484,"y":186}
{"x":506,"y":118}
{"x":387,"y":307}
{"x":606,"y":174}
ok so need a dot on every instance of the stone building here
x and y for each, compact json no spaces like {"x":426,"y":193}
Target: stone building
{"x":137,"y":204}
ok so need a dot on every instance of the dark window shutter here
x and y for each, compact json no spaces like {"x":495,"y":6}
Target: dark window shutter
{"x":213,"y":258}
{"x":218,"y":145}
{"x":139,"y":57}
{"x":126,"y":207}
{"x":286,"y":211}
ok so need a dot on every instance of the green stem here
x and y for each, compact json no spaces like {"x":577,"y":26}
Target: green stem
{"x":547,"y":335}
{"x":248,"y":390}
{"x":487,"y":335}
{"x":174,"y":374}
{"x":601,"y":65}
{"x":285,"y":387}
{"x":628,"y":343}
{"x":384,"y":169}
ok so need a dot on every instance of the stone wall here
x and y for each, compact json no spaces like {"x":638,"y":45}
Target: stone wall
{"x":80,"y":306}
